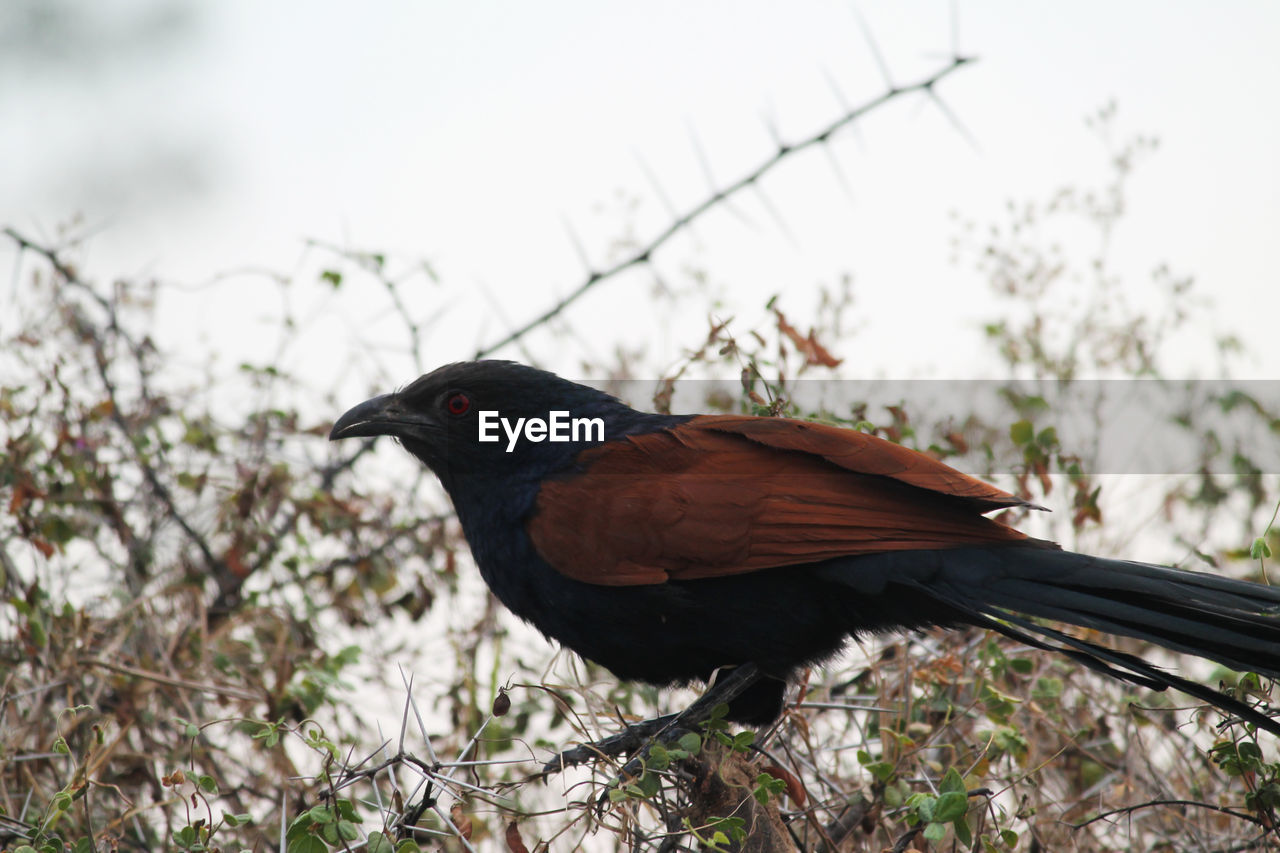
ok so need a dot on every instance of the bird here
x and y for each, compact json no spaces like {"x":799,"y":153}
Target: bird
{"x":671,"y":548}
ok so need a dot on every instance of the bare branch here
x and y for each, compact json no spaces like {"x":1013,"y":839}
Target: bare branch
{"x":1153,"y":803}
{"x":218,"y":568}
{"x":719,"y":197}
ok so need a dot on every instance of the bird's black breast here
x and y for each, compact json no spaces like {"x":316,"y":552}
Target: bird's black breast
{"x":662,"y":633}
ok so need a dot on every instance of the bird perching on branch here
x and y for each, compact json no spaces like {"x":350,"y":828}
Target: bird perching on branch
{"x":668,"y":547}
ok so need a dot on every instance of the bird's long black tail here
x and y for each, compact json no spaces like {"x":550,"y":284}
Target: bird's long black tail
{"x":1007,"y":589}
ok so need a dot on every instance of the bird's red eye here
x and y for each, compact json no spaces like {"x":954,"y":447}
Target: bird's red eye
{"x":459,"y":404}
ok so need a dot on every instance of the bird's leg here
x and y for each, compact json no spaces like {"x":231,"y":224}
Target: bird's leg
{"x":626,"y":741}
{"x":664,"y":730}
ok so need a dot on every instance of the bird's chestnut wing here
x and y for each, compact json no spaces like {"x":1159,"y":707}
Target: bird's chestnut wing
{"x":722,"y":495}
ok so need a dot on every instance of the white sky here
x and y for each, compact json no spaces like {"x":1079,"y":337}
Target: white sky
{"x":468,"y":133}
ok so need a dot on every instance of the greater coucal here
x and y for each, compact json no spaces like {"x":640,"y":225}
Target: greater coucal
{"x":665,"y":547}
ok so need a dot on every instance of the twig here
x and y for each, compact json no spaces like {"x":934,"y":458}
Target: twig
{"x":1195,"y":803}
{"x":161,"y":678}
{"x":217,"y":567}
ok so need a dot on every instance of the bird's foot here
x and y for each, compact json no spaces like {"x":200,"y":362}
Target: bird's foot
{"x":640,"y":739}
{"x":625,"y":742}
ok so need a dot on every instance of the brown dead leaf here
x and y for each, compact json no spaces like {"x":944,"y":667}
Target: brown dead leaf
{"x":814,"y":352}
{"x":460,"y":820}
{"x":514,"y":842}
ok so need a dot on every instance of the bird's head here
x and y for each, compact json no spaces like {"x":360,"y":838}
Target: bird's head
{"x":490,"y":419}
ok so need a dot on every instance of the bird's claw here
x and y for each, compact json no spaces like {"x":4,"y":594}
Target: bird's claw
{"x":641,"y":738}
{"x":629,"y":740}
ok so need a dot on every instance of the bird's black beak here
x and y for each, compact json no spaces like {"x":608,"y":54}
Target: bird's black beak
{"x":384,"y":415}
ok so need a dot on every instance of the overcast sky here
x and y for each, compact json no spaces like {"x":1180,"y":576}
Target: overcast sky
{"x":196,"y":138}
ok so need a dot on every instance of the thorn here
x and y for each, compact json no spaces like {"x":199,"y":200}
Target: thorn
{"x":875,"y":48}
{"x":835,"y":88}
{"x":739,"y":214}
{"x":771,"y":125}
{"x":703,"y":161}
{"x":841,"y":177}
{"x":918,"y":106}
{"x":856,"y":127}
{"x":660,"y":283}
{"x":955,"y":28}
{"x":776,"y":215}
{"x":657,"y":187}
{"x":954,"y":119}
{"x":577,"y":244}
{"x":496,"y":310}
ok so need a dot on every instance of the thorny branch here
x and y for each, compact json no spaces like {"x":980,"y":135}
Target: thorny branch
{"x":645,"y":254}
{"x":1185,"y":803}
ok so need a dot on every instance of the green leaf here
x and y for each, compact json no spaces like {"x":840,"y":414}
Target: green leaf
{"x":715,"y":722}
{"x":648,"y":784}
{"x":881,"y":770}
{"x":321,"y":814}
{"x":952,"y":782}
{"x":1022,"y":432}
{"x":306,"y":844}
{"x":951,"y":806}
{"x":766,"y":787}
{"x":300,"y":826}
{"x":268,"y":733}
{"x":379,"y":843}
{"x":999,"y":706}
{"x":1260,"y":549}
{"x":691,"y":743}
{"x":1047,"y":688}
{"x":924,"y":805}
{"x":935,"y":831}
{"x":1010,"y":740}
{"x":39,"y":637}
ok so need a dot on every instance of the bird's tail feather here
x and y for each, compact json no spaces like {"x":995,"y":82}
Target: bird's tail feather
{"x":1233,"y":622}
{"x":1125,"y":667}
